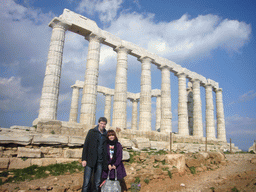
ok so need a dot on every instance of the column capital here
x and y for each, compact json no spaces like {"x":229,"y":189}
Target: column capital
{"x":75,"y":86}
{"x":218,"y":90}
{"x":95,"y":37}
{"x":122,"y":48}
{"x":145,"y":58}
{"x":195,"y":80}
{"x":180,"y":74}
{"x":59,"y":23}
{"x":164,"y":67}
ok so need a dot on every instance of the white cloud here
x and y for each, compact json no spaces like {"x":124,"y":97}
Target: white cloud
{"x":107,"y":9}
{"x":183,"y":38}
{"x":237,"y":124}
{"x":250,"y":95}
{"x":15,"y":97}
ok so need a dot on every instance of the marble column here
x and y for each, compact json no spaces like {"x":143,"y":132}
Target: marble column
{"x":221,"y":130}
{"x":197,"y":110}
{"x":190,"y":108}
{"x":134,"y":113}
{"x":182,"y":106}
{"x":145,"y":95}
{"x":89,"y":98}
{"x":166,"y":112}
{"x":209,"y":113}
{"x":120,"y":96}
{"x":50,"y":90}
{"x":74,"y":104}
{"x":107,"y":110}
{"x":158,"y":112}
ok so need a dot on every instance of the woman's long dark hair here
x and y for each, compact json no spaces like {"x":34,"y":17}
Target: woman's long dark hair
{"x":114,"y":142}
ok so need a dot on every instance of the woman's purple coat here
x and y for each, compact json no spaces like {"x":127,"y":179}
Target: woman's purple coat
{"x":119,"y":164}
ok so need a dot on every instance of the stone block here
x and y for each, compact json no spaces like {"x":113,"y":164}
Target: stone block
{"x":159,"y":145}
{"x":50,"y":139}
{"x":48,"y":161}
{"x":26,"y":152}
{"x":217,"y":156}
{"x":49,"y":127}
{"x":126,"y":156}
{"x":193,"y":163}
{"x":76,"y":141}
{"x":142,"y":143}
{"x":38,"y":162}
{"x":177,"y":160}
{"x":126,"y":143}
{"x":72,"y":153}
{"x":54,"y":153}
{"x":18,"y":163}
{"x":4,"y":163}
{"x":15,"y":138}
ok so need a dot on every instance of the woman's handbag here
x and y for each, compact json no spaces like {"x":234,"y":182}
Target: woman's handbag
{"x":111,"y":185}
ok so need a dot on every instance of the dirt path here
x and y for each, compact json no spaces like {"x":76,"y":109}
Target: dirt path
{"x":239,"y":174}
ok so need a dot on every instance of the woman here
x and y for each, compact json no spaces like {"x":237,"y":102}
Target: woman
{"x":115,"y":153}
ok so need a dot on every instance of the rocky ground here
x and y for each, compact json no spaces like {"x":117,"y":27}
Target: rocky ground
{"x":239,"y":174}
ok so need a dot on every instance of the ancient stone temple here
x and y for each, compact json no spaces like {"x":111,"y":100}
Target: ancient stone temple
{"x":190,"y":122}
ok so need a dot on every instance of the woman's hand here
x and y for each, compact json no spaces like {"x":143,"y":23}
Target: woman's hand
{"x":84,"y":163}
{"x":109,"y":167}
{"x":113,"y":167}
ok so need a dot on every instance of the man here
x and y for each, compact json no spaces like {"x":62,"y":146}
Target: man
{"x":94,"y":156}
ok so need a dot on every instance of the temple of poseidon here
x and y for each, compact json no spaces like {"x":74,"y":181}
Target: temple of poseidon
{"x":65,"y":138}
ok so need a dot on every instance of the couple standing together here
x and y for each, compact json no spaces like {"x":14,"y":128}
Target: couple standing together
{"x":101,"y":153}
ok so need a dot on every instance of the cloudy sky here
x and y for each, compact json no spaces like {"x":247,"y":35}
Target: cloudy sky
{"x":213,"y":38}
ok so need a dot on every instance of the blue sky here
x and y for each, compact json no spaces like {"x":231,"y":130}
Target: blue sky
{"x":213,"y":38}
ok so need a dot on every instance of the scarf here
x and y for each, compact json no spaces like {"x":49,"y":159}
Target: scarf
{"x":113,"y":160}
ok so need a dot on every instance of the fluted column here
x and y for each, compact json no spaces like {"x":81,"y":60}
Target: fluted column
{"x":166,"y":112}
{"x":190,"y":107}
{"x":120,"y":97}
{"x":197,"y":110}
{"x":74,"y":104}
{"x":182,"y":106}
{"x":209,"y":113}
{"x":50,"y":90}
{"x":158,"y":112}
{"x":145,"y":95}
{"x":134,"y":114}
{"x":107,"y":110}
{"x":221,"y":130}
{"x":89,"y":98}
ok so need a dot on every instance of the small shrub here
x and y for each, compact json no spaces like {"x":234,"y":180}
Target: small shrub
{"x":192,"y":170}
{"x":169,"y":174}
{"x":234,"y":189}
{"x":135,"y":187}
{"x":52,"y":132}
{"x":146,"y":180}
{"x":137,"y":180}
{"x":165,"y":168}
{"x":212,"y":188}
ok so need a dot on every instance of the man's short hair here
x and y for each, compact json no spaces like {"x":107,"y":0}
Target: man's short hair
{"x":104,"y":119}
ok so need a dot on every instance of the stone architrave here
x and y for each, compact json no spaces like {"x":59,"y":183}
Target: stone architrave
{"x":166,"y":112}
{"x":89,"y":98}
{"x":134,"y":114}
{"x":74,"y":104}
{"x":107,"y":109}
{"x":182,"y":106}
{"x":197,"y":110}
{"x":120,"y":96}
{"x":158,"y":112}
{"x":221,"y":130}
{"x":50,"y":90}
{"x":209,"y":113}
{"x":190,"y":108}
{"x":145,"y":95}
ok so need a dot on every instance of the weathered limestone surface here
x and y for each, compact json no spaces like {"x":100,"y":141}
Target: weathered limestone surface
{"x":4,"y":163}
{"x":177,"y":160}
{"x":141,"y":143}
{"x":76,"y":141}
{"x":29,"y":152}
{"x":120,"y":96}
{"x":50,"y":90}
{"x":17,"y":163}
{"x":159,"y":145}
{"x":73,"y":153}
{"x":88,"y":103}
{"x":50,"y":139}
{"x":6,"y":138}
{"x":74,"y":104}
{"x":145,"y":95}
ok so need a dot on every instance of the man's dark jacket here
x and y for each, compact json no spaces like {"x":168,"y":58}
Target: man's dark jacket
{"x":90,"y":149}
